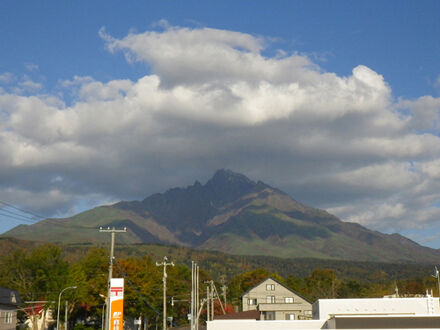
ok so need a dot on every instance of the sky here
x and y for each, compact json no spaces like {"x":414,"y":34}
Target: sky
{"x":334,"y":102}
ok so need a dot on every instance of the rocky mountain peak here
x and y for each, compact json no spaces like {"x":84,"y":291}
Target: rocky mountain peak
{"x":225,"y":176}
{"x":226,"y":186}
{"x":234,"y":214}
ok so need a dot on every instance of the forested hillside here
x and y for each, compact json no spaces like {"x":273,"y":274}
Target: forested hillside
{"x":40,"y":271}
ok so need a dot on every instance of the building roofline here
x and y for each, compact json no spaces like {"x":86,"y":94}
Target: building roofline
{"x":283,"y":285}
{"x":5,"y":297}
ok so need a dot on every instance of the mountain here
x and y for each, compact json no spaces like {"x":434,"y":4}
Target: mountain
{"x":236,"y":215}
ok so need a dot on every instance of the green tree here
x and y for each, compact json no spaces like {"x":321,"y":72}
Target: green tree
{"x":90,"y":276}
{"x":297,"y":284}
{"x":350,"y":289}
{"x":38,"y":276}
{"x":322,"y":283}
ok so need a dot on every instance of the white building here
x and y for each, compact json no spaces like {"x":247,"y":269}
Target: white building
{"x":365,"y":313}
{"x":324,"y":309}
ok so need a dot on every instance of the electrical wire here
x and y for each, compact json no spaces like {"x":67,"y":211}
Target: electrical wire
{"x":135,"y":289}
{"x":21,"y":210}
{"x":33,"y":218}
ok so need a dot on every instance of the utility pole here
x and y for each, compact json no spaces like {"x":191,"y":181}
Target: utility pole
{"x":214,"y":290}
{"x":208,"y":296}
{"x":194,"y":296}
{"x":164,"y":263}
{"x":65,"y":316}
{"x":197,"y":297}
{"x":211,"y":295}
{"x":212,"y":300}
{"x":110,"y":268}
{"x":224,"y":287}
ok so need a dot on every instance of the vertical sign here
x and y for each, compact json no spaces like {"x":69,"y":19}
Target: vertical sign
{"x":116,"y":303}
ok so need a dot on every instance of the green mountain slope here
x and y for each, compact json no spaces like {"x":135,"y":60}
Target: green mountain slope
{"x":234,"y":214}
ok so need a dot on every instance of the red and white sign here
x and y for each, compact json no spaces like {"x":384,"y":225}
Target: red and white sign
{"x":116,"y":291}
{"x":116,"y":303}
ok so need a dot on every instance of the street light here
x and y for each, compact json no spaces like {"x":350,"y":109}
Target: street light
{"x":103,"y":311}
{"x":59,"y":300}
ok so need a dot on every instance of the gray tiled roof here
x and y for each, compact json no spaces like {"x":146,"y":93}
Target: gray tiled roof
{"x":9,"y":297}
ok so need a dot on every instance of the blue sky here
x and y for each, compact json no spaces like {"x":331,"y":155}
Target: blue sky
{"x":396,"y":38}
{"x":335,"y":102}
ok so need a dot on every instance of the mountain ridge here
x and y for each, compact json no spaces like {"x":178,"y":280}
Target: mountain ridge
{"x":233,"y":214}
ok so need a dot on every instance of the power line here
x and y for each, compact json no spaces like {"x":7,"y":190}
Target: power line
{"x":54,"y":222}
{"x":51,"y":221}
{"x":17,"y":214}
{"x":33,"y":218}
{"x":21,"y":210}
{"x":16,"y":217}
{"x":135,"y":289}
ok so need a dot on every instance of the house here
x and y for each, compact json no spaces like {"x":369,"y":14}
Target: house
{"x":9,"y":302}
{"x":275,"y":301}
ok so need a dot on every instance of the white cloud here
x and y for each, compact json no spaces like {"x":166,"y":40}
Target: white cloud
{"x":437,"y":82}
{"x":28,"y":85}
{"x":31,"y":67}
{"x":6,"y":78}
{"x":424,"y":111}
{"x":213,"y":100}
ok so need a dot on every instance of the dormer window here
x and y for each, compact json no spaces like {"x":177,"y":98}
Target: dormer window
{"x":13,"y":298}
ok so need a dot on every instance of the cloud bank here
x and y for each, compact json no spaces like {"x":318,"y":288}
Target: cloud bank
{"x":213,"y":100}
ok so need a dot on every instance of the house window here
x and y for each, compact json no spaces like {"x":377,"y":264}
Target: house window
{"x":288,"y":300}
{"x":8,"y":317}
{"x":270,"y":287}
{"x":252,"y":301}
{"x":290,"y":316}
{"x":307,"y":312}
{"x":269,"y":315}
{"x":270,"y":299}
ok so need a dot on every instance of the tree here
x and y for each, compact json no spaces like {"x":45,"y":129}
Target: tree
{"x":296,"y":284}
{"x":90,"y":276}
{"x":38,"y":276}
{"x":350,"y":289}
{"x":322,"y":283}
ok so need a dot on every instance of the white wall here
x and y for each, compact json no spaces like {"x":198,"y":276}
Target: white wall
{"x":264,"y":325}
{"x":323,"y":309}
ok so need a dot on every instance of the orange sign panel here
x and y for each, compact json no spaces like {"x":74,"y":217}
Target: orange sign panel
{"x":116,"y":303}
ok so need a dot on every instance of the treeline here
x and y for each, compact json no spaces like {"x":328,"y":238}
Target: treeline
{"x":40,"y":271}
{"x":219,"y":264}
{"x":324,"y":283}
